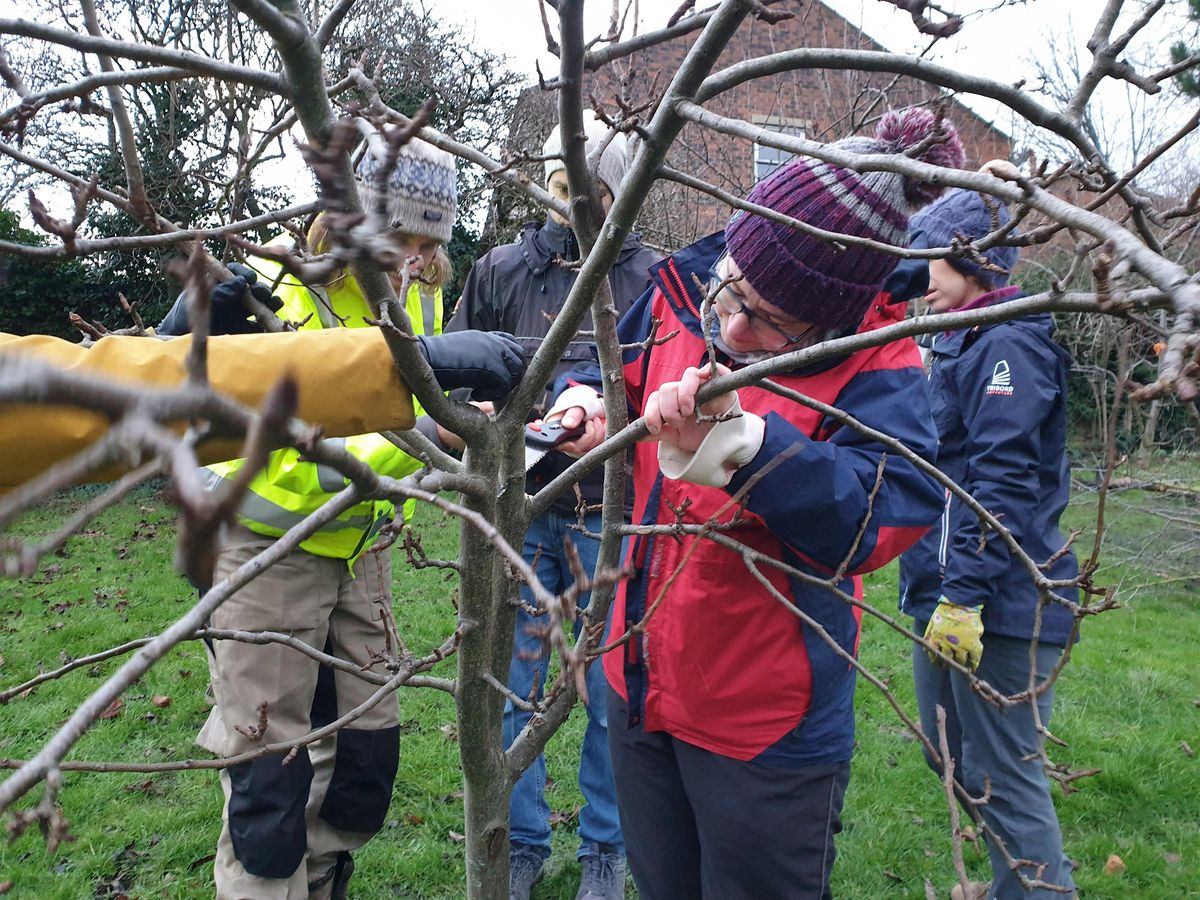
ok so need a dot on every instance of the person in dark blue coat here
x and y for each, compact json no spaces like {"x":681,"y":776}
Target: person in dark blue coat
{"x":999,"y":397}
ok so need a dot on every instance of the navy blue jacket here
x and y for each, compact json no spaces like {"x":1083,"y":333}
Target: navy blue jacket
{"x":999,"y":395}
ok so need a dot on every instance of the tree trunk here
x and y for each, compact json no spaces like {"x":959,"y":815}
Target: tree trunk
{"x":1149,"y":432}
{"x":486,"y":610}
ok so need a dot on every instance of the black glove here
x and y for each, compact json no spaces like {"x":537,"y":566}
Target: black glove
{"x":229,"y":315}
{"x":490,"y":362}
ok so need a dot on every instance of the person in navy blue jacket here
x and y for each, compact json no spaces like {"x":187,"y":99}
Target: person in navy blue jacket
{"x":999,"y":396}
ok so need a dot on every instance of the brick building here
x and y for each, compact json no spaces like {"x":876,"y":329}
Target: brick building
{"x":819,"y":104}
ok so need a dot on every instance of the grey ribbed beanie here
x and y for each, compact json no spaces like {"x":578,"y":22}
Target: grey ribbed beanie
{"x":613,"y":162}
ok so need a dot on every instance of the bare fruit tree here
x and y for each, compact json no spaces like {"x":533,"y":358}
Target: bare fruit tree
{"x":1124,"y":264}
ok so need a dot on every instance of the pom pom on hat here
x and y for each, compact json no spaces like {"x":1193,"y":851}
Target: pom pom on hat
{"x":906,"y":128}
{"x":964,"y":214}
{"x":419,"y":195}
{"x":808,"y":278}
{"x":614,"y":162}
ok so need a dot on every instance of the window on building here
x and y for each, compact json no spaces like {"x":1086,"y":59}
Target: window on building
{"x":768,"y":159}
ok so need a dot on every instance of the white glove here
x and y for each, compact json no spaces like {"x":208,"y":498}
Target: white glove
{"x":582,"y":396}
{"x":730,"y":445}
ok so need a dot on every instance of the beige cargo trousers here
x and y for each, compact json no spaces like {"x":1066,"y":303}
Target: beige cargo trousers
{"x":286,"y":826}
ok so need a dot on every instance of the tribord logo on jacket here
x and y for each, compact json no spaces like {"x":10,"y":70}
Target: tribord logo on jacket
{"x":1001,"y":383}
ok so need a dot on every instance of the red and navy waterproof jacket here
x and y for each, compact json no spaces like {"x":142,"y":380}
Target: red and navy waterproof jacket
{"x":723,"y":663}
{"x":999,"y":396}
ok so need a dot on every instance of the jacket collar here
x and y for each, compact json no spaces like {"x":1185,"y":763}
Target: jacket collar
{"x":952,"y":343}
{"x":543,"y":243}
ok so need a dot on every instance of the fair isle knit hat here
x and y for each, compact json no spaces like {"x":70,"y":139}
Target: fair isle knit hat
{"x":964,"y":214}
{"x":809,"y":278}
{"x":613,"y":162}
{"x":420,"y":194}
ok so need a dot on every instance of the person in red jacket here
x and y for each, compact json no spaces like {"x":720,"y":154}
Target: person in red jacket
{"x":731,"y":718}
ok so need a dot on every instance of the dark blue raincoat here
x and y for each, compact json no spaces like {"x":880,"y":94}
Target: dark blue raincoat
{"x":999,"y":397}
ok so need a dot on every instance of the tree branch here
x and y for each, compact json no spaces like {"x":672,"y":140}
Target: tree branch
{"x":193,"y":62}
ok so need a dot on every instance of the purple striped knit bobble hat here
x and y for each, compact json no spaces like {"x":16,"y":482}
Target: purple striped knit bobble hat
{"x":809,"y":278}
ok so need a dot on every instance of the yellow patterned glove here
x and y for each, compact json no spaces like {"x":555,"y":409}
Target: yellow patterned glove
{"x":956,"y":631}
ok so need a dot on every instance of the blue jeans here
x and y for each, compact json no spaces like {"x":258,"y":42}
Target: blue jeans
{"x":529,"y":814}
{"x":986,"y":741}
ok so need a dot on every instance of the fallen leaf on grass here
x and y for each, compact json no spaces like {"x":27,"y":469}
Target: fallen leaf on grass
{"x":450,"y":731}
{"x":412,"y":819}
{"x":457,"y":838}
{"x":889,"y":874}
{"x":1172,"y":859}
{"x":6,"y":886}
{"x":563,"y":816}
{"x":114,"y":709}
{"x":1,"y":662}
{"x":1187,"y":748}
{"x":162,"y":701}
{"x":1114,"y":866}
{"x":144,"y":787}
{"x":204,"y":860}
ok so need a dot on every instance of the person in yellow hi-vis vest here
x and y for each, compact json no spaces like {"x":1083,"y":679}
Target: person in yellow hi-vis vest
{"x":289,"y":827}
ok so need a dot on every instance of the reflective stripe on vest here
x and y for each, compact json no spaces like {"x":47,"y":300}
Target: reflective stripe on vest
{"x":329,"y":478}
{"x":323,"y":307}
{"x":261,"y":510}
{"x":430,"y":319}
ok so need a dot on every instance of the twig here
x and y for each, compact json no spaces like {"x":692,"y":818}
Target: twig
{"x":949,"y":786}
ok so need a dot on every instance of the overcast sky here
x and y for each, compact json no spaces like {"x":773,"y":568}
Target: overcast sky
{"x":1000,"y":43}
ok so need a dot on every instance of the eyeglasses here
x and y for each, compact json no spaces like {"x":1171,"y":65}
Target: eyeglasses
{"x":732,"y":305}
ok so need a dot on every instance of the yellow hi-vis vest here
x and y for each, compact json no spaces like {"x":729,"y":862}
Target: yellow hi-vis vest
{"x":289,"y":489}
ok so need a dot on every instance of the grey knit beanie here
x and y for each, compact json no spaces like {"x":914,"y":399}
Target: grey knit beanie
{"x":421,"y":192}
{"x":963,"y":214}
{"x":613,"y":162}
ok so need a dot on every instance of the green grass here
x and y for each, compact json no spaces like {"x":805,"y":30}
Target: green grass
{"x":1127,"y":704}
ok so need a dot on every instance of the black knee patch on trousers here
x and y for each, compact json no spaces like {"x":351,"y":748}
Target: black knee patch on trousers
{"x":364,"y":770}
{"x":266,"y":813}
